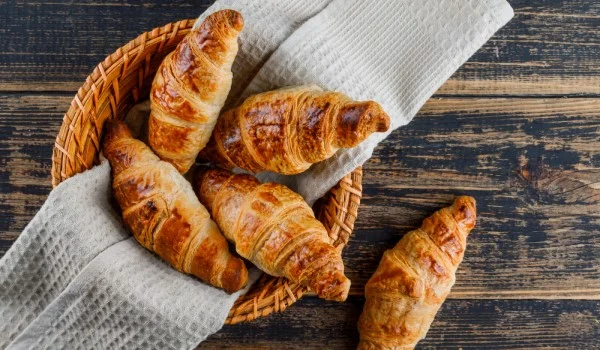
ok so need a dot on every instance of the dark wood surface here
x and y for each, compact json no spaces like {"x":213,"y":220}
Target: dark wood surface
{"x":518,"y":127}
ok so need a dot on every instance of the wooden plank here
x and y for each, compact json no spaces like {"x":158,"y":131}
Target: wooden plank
{"x":55,"y":45}
{"x":549,"y":48}
{"x":28,"y":127}
{"x":532,"y":164}
{"x":460,"y":324}
{"x":479,"y":83}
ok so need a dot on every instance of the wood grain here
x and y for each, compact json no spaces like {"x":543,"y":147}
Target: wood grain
{"x":53,"y":46}
{"x":536,"y":235}
{"x":501,"y":129}
{"x":460,"y":324}
{"x":549,"y":48}
{"x":532,"y":164}
{"x":28,"y":127}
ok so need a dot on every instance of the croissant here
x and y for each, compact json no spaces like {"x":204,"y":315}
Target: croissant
{"x":160,"y":208}
{"x":414,"y":278}
{"x":190,"y":88}
{"x":275,"y":229}
{"x":287,"y":130}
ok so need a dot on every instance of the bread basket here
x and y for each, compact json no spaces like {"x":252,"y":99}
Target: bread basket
{"x":122,"y":80}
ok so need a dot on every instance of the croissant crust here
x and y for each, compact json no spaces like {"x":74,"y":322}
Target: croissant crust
{"x":414,"y":278}
{"x":287,"y":130}
{"x":163,"y":213}
{"x":275,"y":229}
{"x":190,"y":88}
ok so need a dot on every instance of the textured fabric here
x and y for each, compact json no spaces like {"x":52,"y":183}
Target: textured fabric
{"x":267,"y":23}
{"x":396,"y":52}
{"x":76,"y":279}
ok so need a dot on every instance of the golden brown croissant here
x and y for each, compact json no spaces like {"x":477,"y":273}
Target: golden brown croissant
{"x":190,"y":88}
{"x":275,"y":229}
{"x":414,"y":278}
{"x":160,"y":208}
{"x":287,"y":130}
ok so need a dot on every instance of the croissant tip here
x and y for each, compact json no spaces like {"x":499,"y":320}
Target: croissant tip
{"x":113,"y":130}
{"x":467,"y":199}
{"x":358,"y":120}
{"x":465,"y":211}
{"x":233,"y":17}
{"x":236,"y":20}
{"x":341,"y":293}
{"x":201,"y":175}
{"x":379,"y":119}
{"x":235,"y":276}
{"x":383,"y":123}
{"x":207,"y":183}
{"x":336,"y":289}
{"x":216,"y":173}
{"x":114,"y":125}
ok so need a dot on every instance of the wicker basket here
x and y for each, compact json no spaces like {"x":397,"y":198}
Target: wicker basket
{"x":123,"y":79}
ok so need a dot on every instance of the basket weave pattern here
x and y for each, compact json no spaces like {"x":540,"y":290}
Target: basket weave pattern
{"x":122,"y":80}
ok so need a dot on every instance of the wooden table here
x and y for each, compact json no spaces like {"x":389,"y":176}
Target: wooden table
{"x":518,"y":127}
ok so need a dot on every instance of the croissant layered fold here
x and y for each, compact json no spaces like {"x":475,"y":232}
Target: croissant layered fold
{"x":287,"y":130}
{"x":163,"y":213}
{"x":190,"y":88}
{"x":414,"y":278}
{"x":275,"y":229}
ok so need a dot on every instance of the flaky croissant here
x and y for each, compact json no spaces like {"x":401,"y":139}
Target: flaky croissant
{"x":163,"y":213}
{"x":287,"y":130}
{"x":275,"y":229}
{"x":414,"y":278}
{"x":190,"y":88}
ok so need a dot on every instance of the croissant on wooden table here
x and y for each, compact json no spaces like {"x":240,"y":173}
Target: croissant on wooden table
{"x":414,"y":278}
{"x":162,"y":211}
{"x":190,"y":88}
{"x":287,"y":130}
{"x":275,"y":229}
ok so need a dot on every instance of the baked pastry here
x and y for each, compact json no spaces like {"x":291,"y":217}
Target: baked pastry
{"x":275,"y":229}
{"x":287,"y":130}
{"x":414,"y":278}
{"x":163,"y":213}
{"x":190,"y":88}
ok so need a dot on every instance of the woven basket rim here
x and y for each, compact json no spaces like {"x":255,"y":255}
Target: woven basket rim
{"x":114,"y":86}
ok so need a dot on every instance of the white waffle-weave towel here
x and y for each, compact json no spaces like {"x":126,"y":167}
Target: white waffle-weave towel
{"x":395,"y":52}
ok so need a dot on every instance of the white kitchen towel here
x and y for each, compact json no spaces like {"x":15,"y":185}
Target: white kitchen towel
{"x":267,"y":24}
{"x":395,"y":52}
{"x":75,"y":278}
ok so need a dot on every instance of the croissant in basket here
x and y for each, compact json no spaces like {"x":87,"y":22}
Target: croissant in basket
{"x":190,"y":88}
{"x":414,"y":278}
{"x":275,"y":229}
{"x":287,"y":130}
{"x":160,"y":208}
